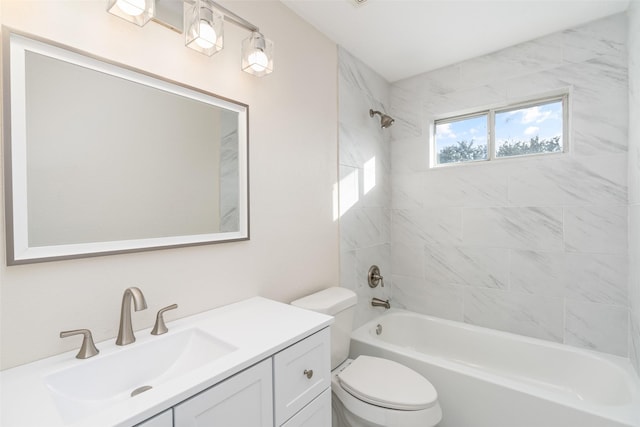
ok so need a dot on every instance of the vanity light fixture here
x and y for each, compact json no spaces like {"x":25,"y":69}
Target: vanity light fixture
{"x":138,"y":12}
{"x":203,"y":28}
{"x":257,"y":55}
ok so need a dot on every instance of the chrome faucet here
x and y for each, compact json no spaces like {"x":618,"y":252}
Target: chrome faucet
{"x":377,"y":302}
{"x":125,"y":333}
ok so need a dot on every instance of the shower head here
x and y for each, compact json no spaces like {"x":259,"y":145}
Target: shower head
{"x":385,"y":120}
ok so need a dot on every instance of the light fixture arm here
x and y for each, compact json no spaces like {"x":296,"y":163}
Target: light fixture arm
{"x":235,"y":19}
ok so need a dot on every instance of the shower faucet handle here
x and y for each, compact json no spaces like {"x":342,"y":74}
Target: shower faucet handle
{"x":374,"y":278}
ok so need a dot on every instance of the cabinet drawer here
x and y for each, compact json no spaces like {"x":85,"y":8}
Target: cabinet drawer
{"x":315,"y":414}
{"x":301,"y":373}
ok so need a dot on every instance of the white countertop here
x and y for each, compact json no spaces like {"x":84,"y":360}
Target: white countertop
{"x":258,"y":327}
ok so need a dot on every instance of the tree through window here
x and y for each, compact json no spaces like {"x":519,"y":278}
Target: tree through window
{"x":536,"y":127}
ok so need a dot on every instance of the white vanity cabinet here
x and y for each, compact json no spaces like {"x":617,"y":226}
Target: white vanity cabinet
{"x":289,"y":389}
{"x":240,"y":401}
{"x":254,"y":363}
{"x":302,"y":373}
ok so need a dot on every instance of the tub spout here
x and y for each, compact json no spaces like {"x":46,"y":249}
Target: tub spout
{"x":377,"y":302}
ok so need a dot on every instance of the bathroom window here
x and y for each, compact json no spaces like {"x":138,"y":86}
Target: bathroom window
{"x":530,"y":128}
{"x":462,"y":139}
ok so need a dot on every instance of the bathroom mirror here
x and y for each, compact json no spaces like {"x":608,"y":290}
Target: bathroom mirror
{"x":101,"y":158}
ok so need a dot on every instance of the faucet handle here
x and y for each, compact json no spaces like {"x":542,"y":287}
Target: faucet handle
{"x":88,"y":348}
{"x":160,"y":328}
{"x":374,"y":278}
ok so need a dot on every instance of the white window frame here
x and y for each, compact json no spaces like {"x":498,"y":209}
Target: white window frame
{"x":491,"y":143}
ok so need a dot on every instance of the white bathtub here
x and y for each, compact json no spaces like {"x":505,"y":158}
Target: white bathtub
{"x":487,"y":378}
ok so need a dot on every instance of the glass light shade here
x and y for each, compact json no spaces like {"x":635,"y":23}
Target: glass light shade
{"x":257,"y":55}
{"x":204,"y":31}
{"x":138,"y":12}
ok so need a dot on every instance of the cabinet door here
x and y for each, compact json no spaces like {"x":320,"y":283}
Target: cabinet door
{"x":163,"y":419}
{"x":315,"y":414}
{"x":301,"y":372}
{"x":243,"y":400}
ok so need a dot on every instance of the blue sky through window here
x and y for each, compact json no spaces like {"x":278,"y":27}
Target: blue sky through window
{"x":532,"y":129}
{"x":469,"y":129}
{"x":544,"y":121}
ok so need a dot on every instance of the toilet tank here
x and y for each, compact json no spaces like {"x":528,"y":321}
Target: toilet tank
{"x":341,"y":304}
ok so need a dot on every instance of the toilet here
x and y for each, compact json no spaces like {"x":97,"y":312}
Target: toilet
{"x":370,"y":391}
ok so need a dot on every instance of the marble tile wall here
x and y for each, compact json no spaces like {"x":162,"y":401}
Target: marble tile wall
{"x":634,"y":181}
{"x":364,"y":187}
{"x":532,"y":246}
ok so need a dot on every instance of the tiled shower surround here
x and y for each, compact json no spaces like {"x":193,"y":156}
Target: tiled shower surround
{"x":535,"y":246}
{"x":365,"y":187}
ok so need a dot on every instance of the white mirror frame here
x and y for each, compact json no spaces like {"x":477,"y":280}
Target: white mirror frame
{"x":15,"y":45}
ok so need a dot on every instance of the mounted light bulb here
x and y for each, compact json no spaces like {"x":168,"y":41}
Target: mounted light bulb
{"x":207,"y":36}
{"x":258,"y":60}
{"x":138,"y":12}
{"x":131,"y":7}
{"x":257,"y":55}
{"x":204,"y":31}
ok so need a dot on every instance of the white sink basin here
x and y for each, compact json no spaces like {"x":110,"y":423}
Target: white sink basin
{"x":104,"y":380}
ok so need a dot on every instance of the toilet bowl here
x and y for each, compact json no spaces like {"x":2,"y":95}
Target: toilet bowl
{"x":370,"y":391}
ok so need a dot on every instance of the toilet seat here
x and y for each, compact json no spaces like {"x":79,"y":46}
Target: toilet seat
{"x":387,"y":384}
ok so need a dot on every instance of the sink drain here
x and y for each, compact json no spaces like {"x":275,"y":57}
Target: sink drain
{"x":140,"y":390}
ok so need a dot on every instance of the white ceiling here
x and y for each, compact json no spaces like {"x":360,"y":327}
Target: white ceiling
{"x":403,"y":38}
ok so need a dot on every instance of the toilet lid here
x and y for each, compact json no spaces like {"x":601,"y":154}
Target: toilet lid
{"x":386,"y":383}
